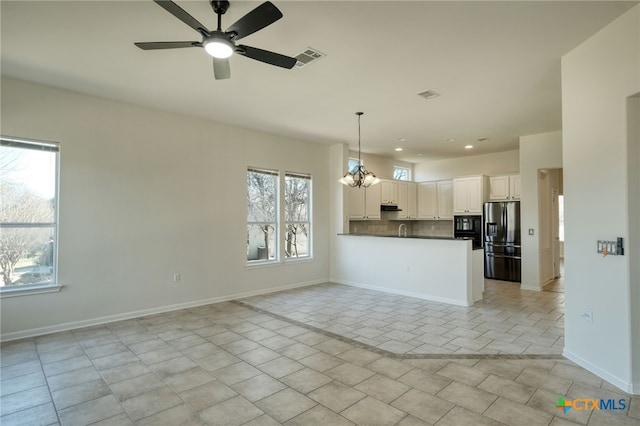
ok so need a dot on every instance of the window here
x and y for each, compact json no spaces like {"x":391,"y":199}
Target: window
{"x":28,"y":213}
{"x":353,"y":163}
{"x":271,"y":231}
{"x":297,"y":195}
{"x":262,"y":215}
{"x":561,"y":217}
{"x":401,"y":173}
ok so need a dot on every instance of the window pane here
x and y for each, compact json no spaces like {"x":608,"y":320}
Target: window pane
{"x":27,"y":255}
{"x":297,"y":215}
{"x":400,"y":173}
{"x":261,"y":197}
{"x":296,"y":198}
{"x":561,"y":217}
{"x":28,"y":172}
{"x":262,"y":215}
{"x":27,"y":185}
{"x":297,"y":240}
{"x":261,"y":242}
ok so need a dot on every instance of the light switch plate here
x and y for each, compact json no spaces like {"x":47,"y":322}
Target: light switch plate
{"x":607,"y":247}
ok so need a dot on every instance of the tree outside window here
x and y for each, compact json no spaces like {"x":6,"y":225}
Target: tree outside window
{"x":401,"y":173}
{"x":28,"y":212}
{"x":262,"y":215}
{"x":297,"y":215}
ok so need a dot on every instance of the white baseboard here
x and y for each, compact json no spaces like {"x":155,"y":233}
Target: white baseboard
{"x":530,"y":287}
{"x":404,"y":293}
{"x":6,"y":337}
{"x":628,"y":387}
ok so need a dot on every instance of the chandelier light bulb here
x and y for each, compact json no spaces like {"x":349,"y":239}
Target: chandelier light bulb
{"x":359,"y":176}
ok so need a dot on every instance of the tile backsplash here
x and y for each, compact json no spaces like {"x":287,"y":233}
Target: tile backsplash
{"x":422,"y":228}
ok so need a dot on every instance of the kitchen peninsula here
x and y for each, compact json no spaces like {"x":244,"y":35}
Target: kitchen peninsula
{"x":441,"y":269}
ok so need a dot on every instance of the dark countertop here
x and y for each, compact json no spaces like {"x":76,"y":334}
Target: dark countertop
{"x":419,"y":237}
{"x":408,"y":236}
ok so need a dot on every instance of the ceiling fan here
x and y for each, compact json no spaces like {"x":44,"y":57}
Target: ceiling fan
{"x":222,"y":44}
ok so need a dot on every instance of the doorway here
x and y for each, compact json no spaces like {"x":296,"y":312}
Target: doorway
{"x":550,"y":222}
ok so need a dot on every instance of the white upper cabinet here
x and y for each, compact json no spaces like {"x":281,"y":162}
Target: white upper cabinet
{"x":435,"y":200}
{"x":364,"y":203}
{"x":514,"y":187}
{"x":407,"y":200}
{"x":445,"y":199}
{"x":505,"y":187}
{"x":412,"y":200}
{"x":427,"y":200}
{"x":389,"y":192}
{"x":469,"y":195}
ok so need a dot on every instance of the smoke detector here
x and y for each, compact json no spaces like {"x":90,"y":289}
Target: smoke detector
{"x":308,"y":56}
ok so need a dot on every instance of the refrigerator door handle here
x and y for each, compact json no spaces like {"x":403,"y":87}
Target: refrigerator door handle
{"x":503,"y":256}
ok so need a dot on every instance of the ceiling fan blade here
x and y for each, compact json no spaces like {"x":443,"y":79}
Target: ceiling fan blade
{"x":179,"y":13}
{"x":265,"y":14}
{"x":153,"y":45}
{"x":221,"y":68}
{"x":267,"y":57}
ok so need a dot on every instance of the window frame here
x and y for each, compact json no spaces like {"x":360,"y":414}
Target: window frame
{"x":408,"y":173}
{"x":281,"y":222}
{"x":276,"y":221}
{"x":309,"y":220}
{"x":352,"y":163}
{"x":54,"y":285}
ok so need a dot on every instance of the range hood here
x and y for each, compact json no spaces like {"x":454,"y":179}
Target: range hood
{"x":389,"y":208}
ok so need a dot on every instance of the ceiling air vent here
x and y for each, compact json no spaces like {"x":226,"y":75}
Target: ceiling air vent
{"x":429,"y":94}
{"x":308,"y":56}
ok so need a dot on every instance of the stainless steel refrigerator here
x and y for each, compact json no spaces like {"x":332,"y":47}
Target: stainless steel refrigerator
{"x":502,"y":244}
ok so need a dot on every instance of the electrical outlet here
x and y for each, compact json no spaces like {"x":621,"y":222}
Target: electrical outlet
{"x":588,"y":316}
{"x":176,"y":277}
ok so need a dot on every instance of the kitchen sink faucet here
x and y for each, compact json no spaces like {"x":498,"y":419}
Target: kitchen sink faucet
{"x":402,"y":225}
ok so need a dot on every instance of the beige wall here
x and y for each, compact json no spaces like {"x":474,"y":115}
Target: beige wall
{"x":600,"y":80}
{"x":382,"y":167}
{"x":537,"y":152}
{"x":143,"y":194}
{"x":500,"y":163}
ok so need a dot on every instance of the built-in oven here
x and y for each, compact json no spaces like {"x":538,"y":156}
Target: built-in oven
{"x":468,"y":227}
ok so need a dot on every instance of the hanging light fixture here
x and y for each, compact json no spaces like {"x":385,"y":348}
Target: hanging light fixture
{"x":359,"y":176}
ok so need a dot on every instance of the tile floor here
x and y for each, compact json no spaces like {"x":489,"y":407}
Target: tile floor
{"x":506,"y":321}
{"x":235,"y":364}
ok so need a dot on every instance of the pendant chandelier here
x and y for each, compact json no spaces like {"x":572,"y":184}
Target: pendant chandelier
{"x":359,"y":176}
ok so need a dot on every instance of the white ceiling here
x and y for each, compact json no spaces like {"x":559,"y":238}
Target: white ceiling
{"x":495,"y":64}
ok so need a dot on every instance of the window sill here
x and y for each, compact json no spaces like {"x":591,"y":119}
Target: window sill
{"x":307,"y":259}
{"x":28,"y":290}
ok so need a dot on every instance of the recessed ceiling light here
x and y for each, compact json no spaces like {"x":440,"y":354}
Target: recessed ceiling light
{"x":402,"y":139}
{"x":468,"y":146}
{"x":451,"y":140}
{"x":398,"y":149}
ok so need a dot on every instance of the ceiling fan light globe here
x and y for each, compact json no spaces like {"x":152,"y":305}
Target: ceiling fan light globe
{"x":218,"y":47}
